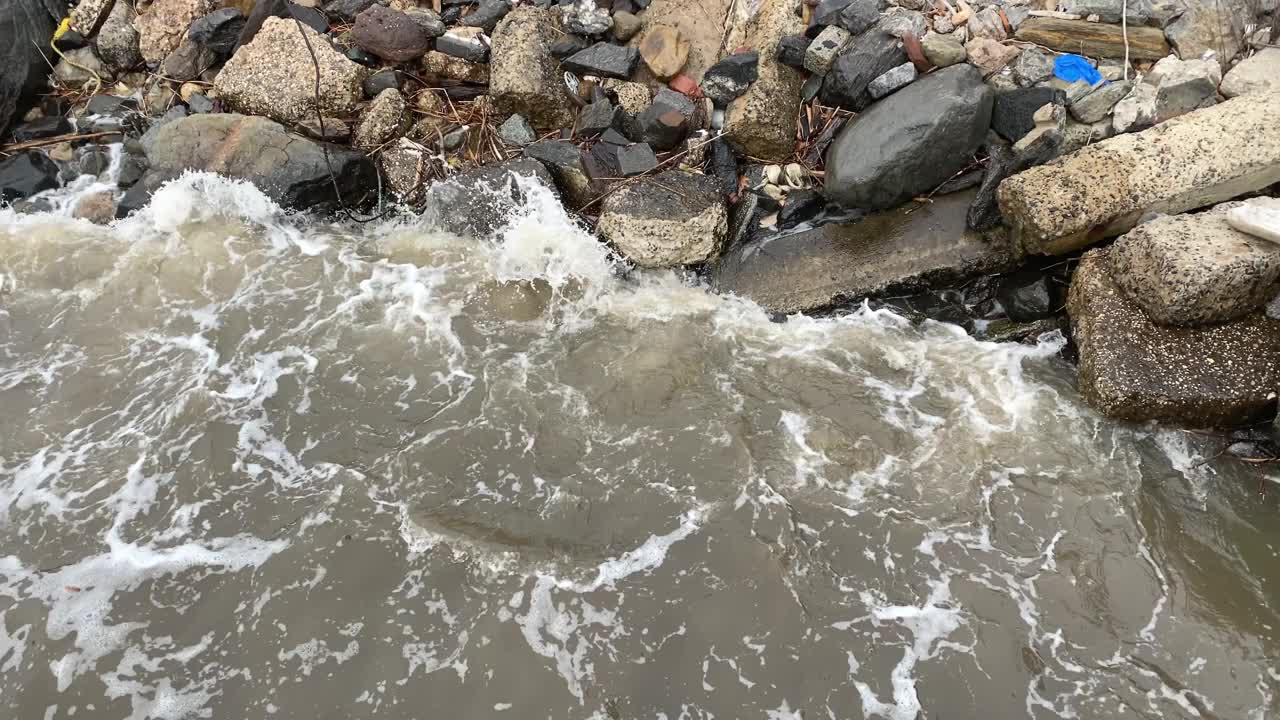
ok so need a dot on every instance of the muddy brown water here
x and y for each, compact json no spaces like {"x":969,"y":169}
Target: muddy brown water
{"x":254,"y":466}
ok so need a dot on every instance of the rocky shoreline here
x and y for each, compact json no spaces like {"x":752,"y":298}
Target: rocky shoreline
{"x":1017,"y":167}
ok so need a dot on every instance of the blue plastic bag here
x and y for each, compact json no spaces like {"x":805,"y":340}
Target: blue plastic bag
{"x":1070,"y":68}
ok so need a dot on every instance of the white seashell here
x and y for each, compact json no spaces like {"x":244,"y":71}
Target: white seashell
{"x":773,"y":173}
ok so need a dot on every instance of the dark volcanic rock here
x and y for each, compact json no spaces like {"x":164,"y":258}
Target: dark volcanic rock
{"x":910,"y":142}
{"x":604,"y":59}
{"x":730,"y":78}
{"x":478,"y":202}
{"x":264,"y":9}
{"x":564,"y":160}
{"x":792,"y":49}
{"x":884,"y":252}
{"x":219,"y":31}
{"x":25,"y":27}
{"x":26,"y":174}
{"x":801,"y":207}
{"x":870,"y":55}
{"x":291,"y":169}
{"x":348,"y":9}
{"x":666,"y":121}
{"x":471,"y":49}
{"x":391,"y":35}
{"x":387,"y":79}
{"x":1012,"y":113}
{"x":568,"y":45}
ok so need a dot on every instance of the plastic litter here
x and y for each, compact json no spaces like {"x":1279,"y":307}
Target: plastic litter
{"x":1070,"y":68}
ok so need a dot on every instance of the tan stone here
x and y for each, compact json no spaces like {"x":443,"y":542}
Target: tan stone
{"x":454,"y":68}
{"x":1260,"y":73}
{"x":990,"y":56}
{"x":88,"y":15}
{"x":702,"y":24}
{"x":382,"y":121}
{"x":1094,"y":39}
{"x":1198,"y":159}
{"x":664,"y":51}
{"x":524,"y":77}
{"x":762,"y":122}
{"x":98,"y":208}
{"x":163,"y":26}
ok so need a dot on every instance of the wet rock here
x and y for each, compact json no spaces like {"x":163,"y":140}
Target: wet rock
{"x":75,"y":75}
{"x":1215,"y":26}
{"x":219,"y":31}
{"x":98,"y":208}
{"x":584,"y":18}
{"x":822,"y":51}
{"x":525,"y":78}
{"x":1260,"y":73}
{"x":801,"y":206}
{"x":1183,"y":86}
{"x":729,"y":79}
{"x":882,"y":253}
{"x":117,"y":42}
{"x":1032,"y":66}
{"x":871,"y":55}
{"x":893,"y":80}
{"x":924,"y":134}
{"x":440,"y":65}
{"x":517,"y":131}
{"x":636,"y":159}
{"x":274,"y":76}
{"x":1029,"y":295}
{"x":943,"y":50}
{"x":762,"y":122}
{"x":44,"y":127}
{"x":291,"y":169}
{"x":390,"y":35}
{"x":1094,"y":39}
{"x":1133,"y":369}
{"x":487,"y":14}
{"x":1098,"y":104}
{"x":132,"y":168}
{"x":464,"y":43}
{"x":598,"y":117}
{"x":382,"y":80}
{"x":1195,"y":269}
{"x":1013,"y":114}
{"x":25,"y":174}
{"x":626,"y":26}
{"x":990,"y":56}
{"x":382,"y":121}
{"x":163,"y":26}
{"x":666,"y":121}
{"x":563,"y":160}
{"x":360,"y":56}
{"x":676,"y":219}
{"x":479,"y":202}
{"x":1102,"y":190}
{"x":665,"y":51}
{"x":171,"y":115}
{"x":604,"y":60}
{"x":793,"y":49}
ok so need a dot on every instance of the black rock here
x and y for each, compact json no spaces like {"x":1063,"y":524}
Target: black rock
{"x":666,"y":121}
{"x":604,"y":59}
{"x":188,"y":62}
{"x":200,"y":103}
{"x":1012,"y":115}
{"x":112,"y":105}
{"x":219,"y":31}
{"x":636,"y":159}
{"x":71,"y":40}
{"x":597,"y":117}
{"x":567,"y":45}
{"x":858,"y":16}
{"x":25,"y":59}
{"x":723,"y":166}
{"x":487,"y":14}
{"x":730,"y":78}
{"x":26,"y":174}
{"x":43,"y":128}
{"x":828,"y":12}
{"x":613,"y":137}
{"x":792,"y":49}
{"x":1002,"y":162}
{"x":470,"y":49}
{"x":264,"y":9}
{"x":361,"y":57}
{"x":563,"y":159}
{"x":382,"y":80}
{"x":132,"y":168}
{"x":450,"y":14}
{"x":390,"y":34}
{"x":869,"y":56}
{"x":910,"y":142}
{"x":603,"y":166}
{"x":801,"y":207}
{"x":629,"y":6}
{"x":744,"y":219}
{"x":1029,"y":295}
{"x":348,"y":9}
{"x":139,"y":193}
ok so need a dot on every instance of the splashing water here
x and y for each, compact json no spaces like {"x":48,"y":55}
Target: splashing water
{"x":253,"y":464}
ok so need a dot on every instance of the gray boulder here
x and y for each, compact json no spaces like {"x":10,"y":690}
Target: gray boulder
{"x":870,"y":55}
{"x":289,"y":168}
{"x":478,"y":202}
{"x":676,"y":219}
{"x":117,"y":40}
{"x":910,"y":142}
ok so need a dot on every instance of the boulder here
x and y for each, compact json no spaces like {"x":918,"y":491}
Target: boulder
{"x":1259,"y":73}
{"x":1135,"y":111}
{"x":943,"y":50}
{"x":480,"y":201}
{"x":87,"y":16}
{"x":858,"y":16}
{"x":701,"y":26}
{"x":729,"y":79}
{"x":188,"y":62}
{"x":1183,"y":86}
{"x":762,"y":121}
{"x":1094,"y":39}
{"x":389,"y":34}
{"x":884,"y":252}
{"x":910,"y":142}
{"x":165,"y":23}
{"x":25,"y":174}
{"x":604,"y":60}
{"x":1130,"y":368}
{"x":870,"y":55}
{"x":525,"y":78}
{"x":1096,"y":105}
{"x":292,"y":170}
{"x":665,"y":51}
{"x":1200,"y":159}
{"x":1195,"y":269}
{"x":674,"y":219}
{"x":117,"y":40}
{"x":428,"y":19}
{"x":1028,"y":295}
{"x":274,"y":76}
{"x":384,"y":120}
{"x":1216,"y":26}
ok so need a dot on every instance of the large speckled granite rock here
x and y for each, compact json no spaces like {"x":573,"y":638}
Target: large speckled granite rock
{"x":676,"y":218}
{"x":1133,"y":369}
